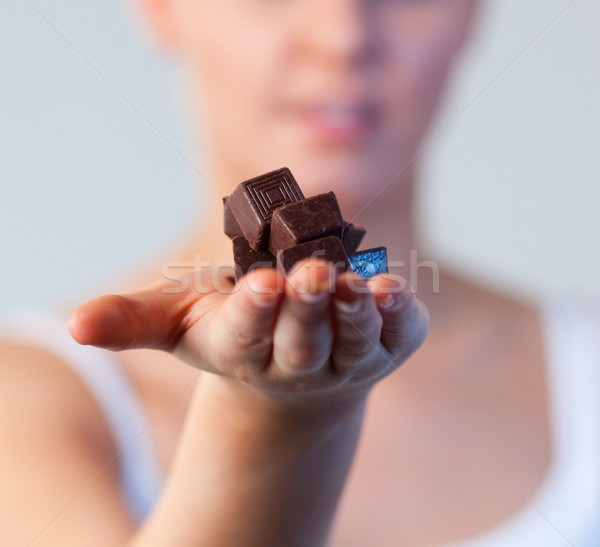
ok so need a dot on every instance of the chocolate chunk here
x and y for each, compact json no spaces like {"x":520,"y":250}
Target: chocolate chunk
{"x":352,"y":236}
{"x":230,"y":225}
{"x":247,"y":259}
{"x":311,"y":218}
{"x":253,"y":202}
{"x":369,"y":262}
{"x":330,"y":248}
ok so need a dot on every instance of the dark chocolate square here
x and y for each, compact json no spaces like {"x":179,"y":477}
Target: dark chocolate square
{"x":253,"y":202}
{"x":328,"y":248}
{"x":311,"y":218}
{"x":247,"y":259}
{"x":230,"y":225}
{"x":352,"y":236}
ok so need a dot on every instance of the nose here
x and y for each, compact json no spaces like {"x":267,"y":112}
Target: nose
{"x":337,"y":31}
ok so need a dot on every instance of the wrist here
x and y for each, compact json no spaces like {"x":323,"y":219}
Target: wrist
{"x":236,"y":403}
{"x":278,"y":465}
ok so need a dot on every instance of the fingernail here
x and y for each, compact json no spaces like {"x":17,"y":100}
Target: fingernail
{"x":313,"y":297}
{"x":265,"y":299}
{"x":386,"y":302}
{"x":312,"y":281}
{"x":348,"y":308}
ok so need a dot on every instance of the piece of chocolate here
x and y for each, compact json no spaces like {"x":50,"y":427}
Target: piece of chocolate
{"x":311,"y":218}
{"x":369,"y":262}
{"x":253,"y":202}
{"x":247,"y":259}
{"x":352,"y":236}
{"x":230,"y":225}
{"x":329,"y":248}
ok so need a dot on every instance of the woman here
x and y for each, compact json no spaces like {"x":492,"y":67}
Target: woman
{"x":458,"y":445}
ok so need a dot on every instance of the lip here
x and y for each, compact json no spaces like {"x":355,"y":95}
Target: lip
{"x":339,"y":122}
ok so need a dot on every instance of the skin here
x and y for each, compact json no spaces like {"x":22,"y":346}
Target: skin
{"x":261,"y":448}
{"x":389,"y":57}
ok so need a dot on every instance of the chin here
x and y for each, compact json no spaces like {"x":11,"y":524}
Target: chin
{"x":355,"y":178}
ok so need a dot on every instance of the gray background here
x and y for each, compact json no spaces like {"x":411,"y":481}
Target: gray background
{"x":96,"y":169}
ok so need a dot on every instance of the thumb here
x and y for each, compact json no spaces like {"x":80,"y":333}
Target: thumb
{"x":148,"y":318}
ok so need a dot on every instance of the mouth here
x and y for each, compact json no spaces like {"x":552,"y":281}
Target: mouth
{"x":339,"y":122}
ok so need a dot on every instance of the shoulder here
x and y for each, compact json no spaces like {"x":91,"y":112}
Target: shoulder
{"x":37,"y":383}
{"x":56,"y":447}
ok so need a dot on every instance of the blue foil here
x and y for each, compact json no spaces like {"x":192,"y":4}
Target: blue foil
{"x":369,"y":262}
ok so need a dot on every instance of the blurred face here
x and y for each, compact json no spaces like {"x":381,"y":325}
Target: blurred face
{"x":340,"y":91}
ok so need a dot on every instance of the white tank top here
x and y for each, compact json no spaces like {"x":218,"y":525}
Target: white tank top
{"x":564,"y":512}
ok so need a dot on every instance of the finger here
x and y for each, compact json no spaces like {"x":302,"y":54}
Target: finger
{"x":154,"y":317}
{"x":303,"y":334}
{"x":237,"y":338}
{"x":357,"y":324}
{"x":405,"y":318}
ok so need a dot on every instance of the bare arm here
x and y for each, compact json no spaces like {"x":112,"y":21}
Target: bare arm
{"x":271,"y":433}
{"x":56,"y":487}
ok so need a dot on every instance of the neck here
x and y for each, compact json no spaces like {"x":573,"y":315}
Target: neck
{"x":389,"y":219}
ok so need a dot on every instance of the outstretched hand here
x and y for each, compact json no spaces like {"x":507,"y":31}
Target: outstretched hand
{"x":310,"y":332}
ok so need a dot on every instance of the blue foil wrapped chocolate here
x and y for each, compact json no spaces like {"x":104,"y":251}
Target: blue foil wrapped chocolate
{"x":369,"y":262}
